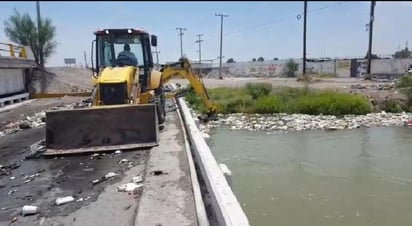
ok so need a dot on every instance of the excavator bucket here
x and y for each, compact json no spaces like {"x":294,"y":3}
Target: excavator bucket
{"x":101,"y":129}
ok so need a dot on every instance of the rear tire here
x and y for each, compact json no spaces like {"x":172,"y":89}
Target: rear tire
{"x":161,"y":104}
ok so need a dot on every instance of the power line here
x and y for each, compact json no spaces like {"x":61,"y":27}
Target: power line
{"x":200,"y":52}
{"x":181,"y":42}
{"x":258,"y":26}
{"x":221,"y":40}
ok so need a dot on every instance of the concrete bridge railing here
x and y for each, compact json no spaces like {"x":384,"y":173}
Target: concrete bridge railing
{"x":10,"y":50}
{"x":222,"y":202}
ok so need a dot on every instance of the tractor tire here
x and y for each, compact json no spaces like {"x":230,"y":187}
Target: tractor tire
{"x":161,"y":104}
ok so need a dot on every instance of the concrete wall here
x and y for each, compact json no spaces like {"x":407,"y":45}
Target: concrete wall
{"x":11,"y":81}
{"x":342,"y":68}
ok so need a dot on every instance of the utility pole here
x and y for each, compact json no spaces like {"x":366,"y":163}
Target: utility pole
{"x":304,"y":39}
{"x":181,"y":42}
{"x":157,"y":57}
{"x":85,"y":61}
{"x":200,"y":52}
{"x":39,"y":54}
{"x":371,"y":19}
{"x":221,"y":39}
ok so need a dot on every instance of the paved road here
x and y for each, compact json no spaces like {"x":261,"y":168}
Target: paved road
{"x":166,"y":197}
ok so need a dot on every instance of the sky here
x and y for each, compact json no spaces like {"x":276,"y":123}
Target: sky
{"x":251,"y":30}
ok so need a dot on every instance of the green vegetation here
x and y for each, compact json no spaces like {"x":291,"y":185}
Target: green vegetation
{"x":405,"y":86}
{"x":23,"y":30}
{"x":390,"y":105}
{"x":291,"y":68}
{"x":261,"y":98}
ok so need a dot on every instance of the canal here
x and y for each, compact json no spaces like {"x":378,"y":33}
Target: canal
{"x":352,"y":177}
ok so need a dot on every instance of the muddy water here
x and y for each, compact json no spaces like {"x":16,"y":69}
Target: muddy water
{"x":357,"y":177}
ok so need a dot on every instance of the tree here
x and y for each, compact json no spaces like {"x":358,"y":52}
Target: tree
{"x":22,"y":30}
{"x":291,"y":67}
{"x":374,"y":56}
{"x":260,"y":59}
{"x":405,"y":53}
{"x":230,"y":60}
{"x":275,"y":59}
{"x":254,"y":60}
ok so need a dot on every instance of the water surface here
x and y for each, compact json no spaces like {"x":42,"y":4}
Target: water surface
{"x":353,"y":177}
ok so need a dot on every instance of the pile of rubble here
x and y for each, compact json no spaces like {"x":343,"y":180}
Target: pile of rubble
{"x":38,"y":119}
{"x":386,"y":86}
{"x":302,"y":122}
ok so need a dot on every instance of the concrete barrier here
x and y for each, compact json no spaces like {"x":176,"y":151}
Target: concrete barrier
{"x":223,"y":202}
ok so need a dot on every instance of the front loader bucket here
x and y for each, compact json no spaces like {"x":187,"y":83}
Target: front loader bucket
{"x":101,"y":129}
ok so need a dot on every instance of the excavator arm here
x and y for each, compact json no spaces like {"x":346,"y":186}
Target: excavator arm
{"x":183,"y":68}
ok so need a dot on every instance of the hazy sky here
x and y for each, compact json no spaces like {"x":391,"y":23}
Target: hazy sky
{"x":253,"y":29}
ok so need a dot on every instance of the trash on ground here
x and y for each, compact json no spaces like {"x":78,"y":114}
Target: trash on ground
{"x":158,"y":172}
{"x":137,"y":179}
{"x":123,"y":161}
{"x":29,"y":210}
{"x":12,"y":178}
{"x":11,"y":192}
{"x":128,"y":187}
{"x":80,"y":200}
{"x":118,"y":152}
{"x":64,"y":200}
{"x":110,"y":175}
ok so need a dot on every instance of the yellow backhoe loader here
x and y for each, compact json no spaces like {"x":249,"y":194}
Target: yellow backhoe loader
{"x":128,"y":97}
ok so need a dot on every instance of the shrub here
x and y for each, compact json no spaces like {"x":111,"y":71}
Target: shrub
{"x":267,"y":105}
{"x":257,"y":90}
{"x":255,"y":99}
{"x":405,"y":85}
{"x":291,"y":68}
{"x":390,"y":106}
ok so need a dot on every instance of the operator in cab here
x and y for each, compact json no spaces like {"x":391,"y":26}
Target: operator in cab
{"x":126,"y":57}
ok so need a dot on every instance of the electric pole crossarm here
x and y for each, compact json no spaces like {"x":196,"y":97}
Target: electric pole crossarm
{"x":180,"y":29}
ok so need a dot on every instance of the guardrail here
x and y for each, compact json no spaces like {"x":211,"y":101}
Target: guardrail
{"x":13,"y":50}
{"x":223,"y":202}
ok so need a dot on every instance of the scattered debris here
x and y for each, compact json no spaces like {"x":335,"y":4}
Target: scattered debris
{"x":12,"y":178}
{"x":137,"y":179}
{"x":118,"y":152}
{"x":24,"y":125}
{"x":87,"y":198}
{"x":110,"y":175}
{"x":129,"y":187}
{"x":158,"y":172}
{"x":127,"y":207}
{"x":123,"y":161}
{"x":64,"y":200}
{"x":37,"y":148}
{"x":301,"y":122}
{"x":80,"y":200}
{"x":95,"y":155}
{"x":11,"y":192}
{"x":29,"y":210}
{"x":7,"y":169}
{"x":14,"y":219}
